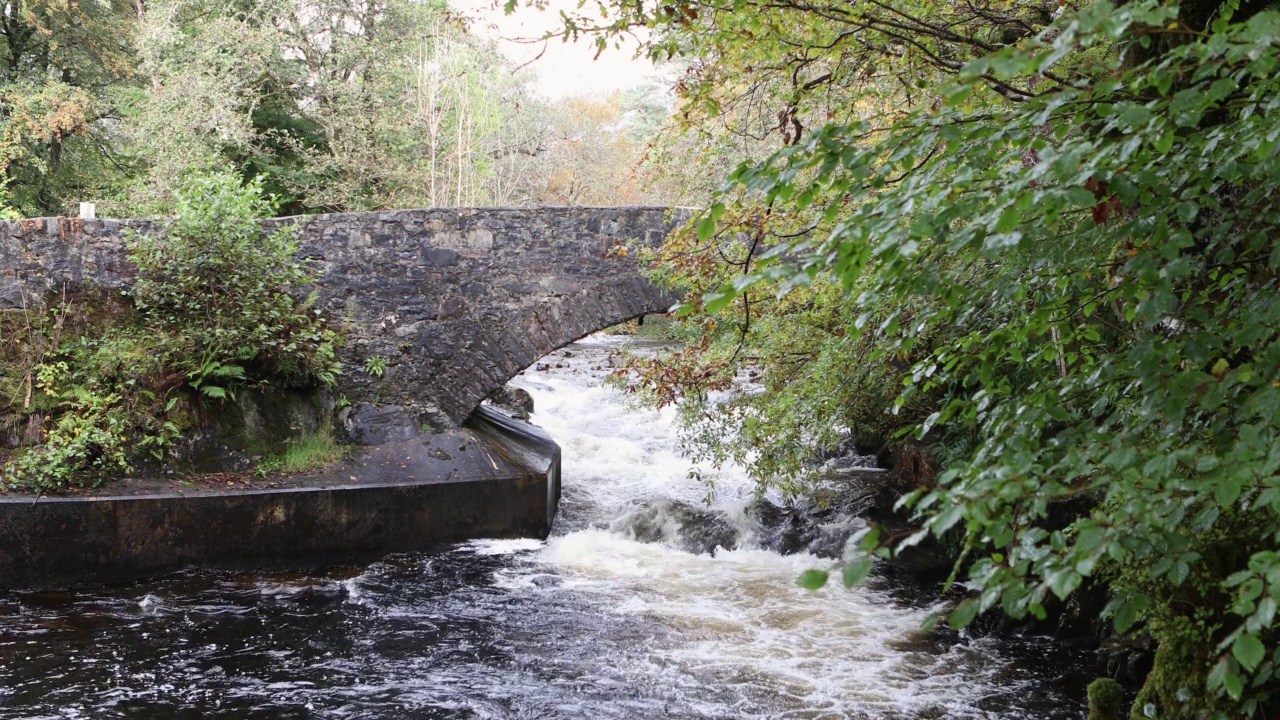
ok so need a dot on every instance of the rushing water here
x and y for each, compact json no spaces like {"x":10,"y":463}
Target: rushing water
{"x":593,"y":623}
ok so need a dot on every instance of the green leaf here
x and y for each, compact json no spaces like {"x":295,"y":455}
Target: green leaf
{"x":706,"y":229}
{"x":1063,"y":581}
{"x":957,"y":94}
{"x":1227,"y":492}
{"x":714,"y":302}
{"x":1217,"y":675}
{"x":868,"y":539}
{"x":1220,"y":367}
{"x":930,"y":622}
{"x":1233,"y":684}
{"x":1248,"y":651}
{"x":812,"y":579}
{"x":945,"y":519}
{"x":1008,"y":220}
{"x":744,"y":282}
{"x":1127,"y":612}
{"x":1264,"y":616}
{"x":855,"y":571}
{"x":963,"y":614}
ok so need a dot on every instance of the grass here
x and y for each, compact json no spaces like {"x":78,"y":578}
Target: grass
{"x":309,"y":452}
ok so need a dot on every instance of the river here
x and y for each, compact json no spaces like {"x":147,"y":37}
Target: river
{"x":612,"y":617}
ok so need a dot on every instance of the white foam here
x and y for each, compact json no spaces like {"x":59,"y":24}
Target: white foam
{"x":502,"y":547}
{"x":151,"y":604}
{"x":739,"y":619}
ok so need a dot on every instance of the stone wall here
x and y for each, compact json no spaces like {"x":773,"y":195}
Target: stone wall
{"x":454,"y":301}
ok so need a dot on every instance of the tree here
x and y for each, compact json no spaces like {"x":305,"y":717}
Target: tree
{"x":341,"y":104}
{"x":415,"y":111}
{"x":594,"y":150}
{"x":1057,"y":247}
{"x":217,"y":90}
{"x":59,"y":61}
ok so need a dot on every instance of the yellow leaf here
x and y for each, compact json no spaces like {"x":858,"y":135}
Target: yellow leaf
{"x":1220,"y":368}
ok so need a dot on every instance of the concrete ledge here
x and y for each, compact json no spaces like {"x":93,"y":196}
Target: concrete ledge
{"x":493,"y":478}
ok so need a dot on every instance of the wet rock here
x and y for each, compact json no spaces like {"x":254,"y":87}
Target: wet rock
{"x":1128,"y":658}
{"x":853,"y":461}
{"x":820,"y":525}
{"x":786,"y":530}
{"x":16,"y":430}
{"x":847,"y":458}
{"x":692,"y":529}
{"x":920,"y":569}
{"x":230,"y":436}
{"x":513,"y":400}
{"x":368,"y":424}
{"x":847,"y":446}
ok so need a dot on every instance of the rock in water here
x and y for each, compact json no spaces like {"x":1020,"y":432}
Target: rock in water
{"x":517,"y":402}
{"x":692,"y":529}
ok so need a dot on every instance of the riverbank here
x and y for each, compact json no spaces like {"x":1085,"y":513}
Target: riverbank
{"x":494,"y":477}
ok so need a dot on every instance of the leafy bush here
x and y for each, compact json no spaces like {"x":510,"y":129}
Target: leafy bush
{"x":215,"y":307}
{"x":87,"y":437}
{"x":1079,"y":290}
{"x":224,"y":294}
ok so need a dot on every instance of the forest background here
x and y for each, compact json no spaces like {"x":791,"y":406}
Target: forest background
{"x":341,"y":105}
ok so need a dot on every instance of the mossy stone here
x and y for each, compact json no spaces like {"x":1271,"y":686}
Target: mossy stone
{"x":1105,"y":698}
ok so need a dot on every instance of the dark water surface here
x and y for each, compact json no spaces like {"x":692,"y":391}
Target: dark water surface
{"x":591,"y":624}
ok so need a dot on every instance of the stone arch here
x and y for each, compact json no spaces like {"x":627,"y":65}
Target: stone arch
{"x":534,"y":332}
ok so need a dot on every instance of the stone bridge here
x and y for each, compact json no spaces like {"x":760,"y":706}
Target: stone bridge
{"x":454,"y":302}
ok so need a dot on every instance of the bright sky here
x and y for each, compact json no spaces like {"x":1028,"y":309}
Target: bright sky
{"x":564,"y":69}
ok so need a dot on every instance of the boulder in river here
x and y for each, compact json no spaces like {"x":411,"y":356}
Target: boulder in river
{"x":515,"y":401}
{"x":692,"y":529}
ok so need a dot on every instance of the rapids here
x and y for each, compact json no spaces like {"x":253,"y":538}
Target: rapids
{"x":629,"y":610}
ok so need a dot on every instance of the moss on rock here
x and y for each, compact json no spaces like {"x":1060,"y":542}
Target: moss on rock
{"x":1105,"y":699}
